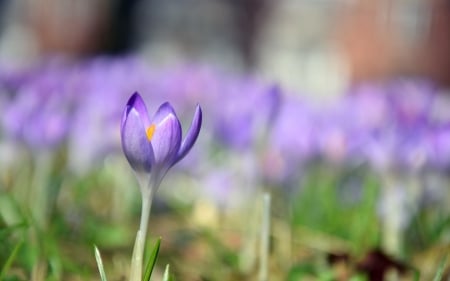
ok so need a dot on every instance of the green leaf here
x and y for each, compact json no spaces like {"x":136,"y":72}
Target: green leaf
{"x":167,"y":276}
{"x":10,"y":259}
{"x":440,"y":270}
{"x":300,"y":271}
{"x":152,"y":260}
{"x":5,"y":232}
{"x":416,"y":275}
{"x":98,"y":258}
{"x":358,"y":277}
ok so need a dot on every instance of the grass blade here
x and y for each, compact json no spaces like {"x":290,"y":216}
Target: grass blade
{"x":5,"y":232}
{"x":440,"y":270}
{"x":265,"y":239}
{"x":167,"y":276}
{"x":98,"y":258}
{"x":152,"y":260}
{"x":10,"y":259}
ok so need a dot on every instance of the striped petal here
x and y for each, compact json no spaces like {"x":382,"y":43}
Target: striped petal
{"x":166,"y":137}
{"x":191,"y":136}
{"x":136,"y":147}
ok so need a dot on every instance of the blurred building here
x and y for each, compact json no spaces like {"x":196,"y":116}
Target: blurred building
{"x":295,"y":47}
{"x":322,"y":46}
{"x":314,"y":45}
{"x":188,"y":30}
{"x":385,"y":38}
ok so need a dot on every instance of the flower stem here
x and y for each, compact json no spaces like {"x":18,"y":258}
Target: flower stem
{"x":139,"y":244}
{"x":265,"y":241}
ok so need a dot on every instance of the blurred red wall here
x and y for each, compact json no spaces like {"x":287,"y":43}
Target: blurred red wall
{"x":385,"y":38}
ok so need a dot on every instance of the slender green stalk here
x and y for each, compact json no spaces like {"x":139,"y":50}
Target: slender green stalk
{"x":441,"y":269}
{"x":39,"y":203}
{"x":265,"y":241}
{"x":395,"y":209}
{"x":248,"y":255}
{"x":139,"y":244}
{"x":39,"y":193}
{"x":98,"y":259}
{"x":166,"y":276}
{"x":10,"y":259}
{"x":152,"y":260}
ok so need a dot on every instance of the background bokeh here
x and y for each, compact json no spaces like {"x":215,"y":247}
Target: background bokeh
{"x":339,"y":109}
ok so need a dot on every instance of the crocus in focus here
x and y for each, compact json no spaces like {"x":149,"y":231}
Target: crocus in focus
{"x":152,"y":146}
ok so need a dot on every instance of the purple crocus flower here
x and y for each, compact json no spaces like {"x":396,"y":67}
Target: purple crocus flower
{"x":153,"y":146}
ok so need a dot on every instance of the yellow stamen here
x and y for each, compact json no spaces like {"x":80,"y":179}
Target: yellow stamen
{"x":150,"y":131}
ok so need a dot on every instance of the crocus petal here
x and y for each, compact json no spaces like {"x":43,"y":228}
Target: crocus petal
{"x":137,"y":103}
{"x":135,"y":145}
{"x":166,"y":139}
{"x":191,"y":135}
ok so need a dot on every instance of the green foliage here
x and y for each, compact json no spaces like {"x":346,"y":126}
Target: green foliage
{"x":10,"y":260}
{"x":333,"y":209}
{"x":440,"y":269}
{"x":152,"y":260}
{"x":428,"y":227}
{"x":340,"y":204}
{"x":167,"y":275}
{"x":358,"y":277}
{"x":300,"y":271}
{"x":98,"y":259}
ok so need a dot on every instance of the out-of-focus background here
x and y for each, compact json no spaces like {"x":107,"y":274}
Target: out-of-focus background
{"x":339,"y":109}
{"x":318,"y":45}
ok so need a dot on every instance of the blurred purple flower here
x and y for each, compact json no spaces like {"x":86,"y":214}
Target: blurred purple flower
{"x":393,"y":123}
{"x":39,"y":113}
{"x":411,"y":101}
{"x":102,"y":86}
{"x":244,"y":113}
{"x":439,"y":140}
{"x":292,"y":141}
{"x":401,"y":123}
